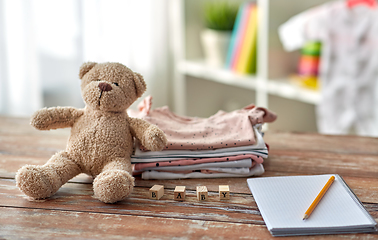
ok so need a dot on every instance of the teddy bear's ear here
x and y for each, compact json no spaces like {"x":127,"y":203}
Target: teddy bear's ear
{"x":140,"y":85}
{"x":86,"y":67}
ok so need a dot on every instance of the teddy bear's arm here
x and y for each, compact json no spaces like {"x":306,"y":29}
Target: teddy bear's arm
{"x":150,"y":136}
{"x":55,"y":117}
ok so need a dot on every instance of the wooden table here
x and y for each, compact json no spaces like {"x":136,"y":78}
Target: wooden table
{"x":74,"y":213}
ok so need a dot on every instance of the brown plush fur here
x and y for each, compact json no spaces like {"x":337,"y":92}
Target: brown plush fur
{"x":101,"y":140}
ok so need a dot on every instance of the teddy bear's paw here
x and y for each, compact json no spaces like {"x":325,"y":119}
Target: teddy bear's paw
{"x":155,"y":139}
{"x":40,"y":119}
{"x":113,"y":185}
{"x":33,"y":182}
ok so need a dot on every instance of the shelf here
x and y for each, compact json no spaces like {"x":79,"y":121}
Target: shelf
{"x":270,"y":87}
{"x":199,"y":69}
{"x":282,"y":88}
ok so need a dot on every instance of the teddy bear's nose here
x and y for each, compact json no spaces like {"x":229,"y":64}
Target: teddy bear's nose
{"x":105,"y":87}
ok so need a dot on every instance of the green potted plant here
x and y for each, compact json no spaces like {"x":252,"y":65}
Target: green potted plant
{"x":219,"y":17}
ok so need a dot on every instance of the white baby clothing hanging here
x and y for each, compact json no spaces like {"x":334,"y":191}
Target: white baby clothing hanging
{"x":349,"y":63}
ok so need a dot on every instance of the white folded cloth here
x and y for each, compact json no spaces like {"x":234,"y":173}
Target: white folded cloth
{"x":245,"y":163}
{"x":257,"y":170}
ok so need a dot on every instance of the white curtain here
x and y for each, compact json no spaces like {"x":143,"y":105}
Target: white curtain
{"x":44,"y":42}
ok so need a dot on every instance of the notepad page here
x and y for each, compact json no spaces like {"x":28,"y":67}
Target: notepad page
{"x":283,"y":201}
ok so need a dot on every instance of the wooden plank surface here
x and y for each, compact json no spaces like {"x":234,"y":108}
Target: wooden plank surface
{"x":74,"y":213}
{"x":78,"y":197}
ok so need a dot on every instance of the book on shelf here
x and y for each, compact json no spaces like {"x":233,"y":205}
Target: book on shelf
{"x":241,"y":56}
{"x":237,"y":34}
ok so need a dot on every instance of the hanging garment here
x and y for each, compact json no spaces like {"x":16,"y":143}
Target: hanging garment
{"x":349,"y":64}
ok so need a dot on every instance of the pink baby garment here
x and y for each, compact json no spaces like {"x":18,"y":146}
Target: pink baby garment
{"x":193,"y":161}
{"x":222,"y":130}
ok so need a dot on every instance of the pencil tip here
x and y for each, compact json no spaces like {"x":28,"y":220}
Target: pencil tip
{"x":305,"y":217}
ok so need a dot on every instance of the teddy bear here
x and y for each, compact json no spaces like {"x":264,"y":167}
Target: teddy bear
{"x":102,"y":136}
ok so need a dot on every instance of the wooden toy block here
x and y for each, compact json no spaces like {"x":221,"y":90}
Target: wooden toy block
{"x":202,"y":194}
{"x":224,"y":192}
{"x":156,"y":192}
{"x":179,"y":193}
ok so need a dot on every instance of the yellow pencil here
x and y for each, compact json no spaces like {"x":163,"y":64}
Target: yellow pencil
{"x":319,"y":197}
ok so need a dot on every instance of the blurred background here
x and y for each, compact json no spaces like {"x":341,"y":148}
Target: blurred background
{"x":197,"y":57}
{"x":43,"y":44}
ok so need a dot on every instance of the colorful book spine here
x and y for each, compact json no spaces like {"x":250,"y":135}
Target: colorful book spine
{"x":241,"y":35}
{"x":241,"y":55}
{"x":247,"y":60}
{"x":235,"y":36}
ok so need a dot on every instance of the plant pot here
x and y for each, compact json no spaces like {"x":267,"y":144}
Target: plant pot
{"x":215,"y":46}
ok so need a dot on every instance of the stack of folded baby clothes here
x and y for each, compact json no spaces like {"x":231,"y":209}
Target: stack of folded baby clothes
{"x":227,"y":144}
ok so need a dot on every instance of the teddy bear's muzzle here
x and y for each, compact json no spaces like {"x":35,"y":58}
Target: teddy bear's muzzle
{"x":105,"y":87}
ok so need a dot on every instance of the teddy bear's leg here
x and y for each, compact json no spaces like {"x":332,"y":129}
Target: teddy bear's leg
{"x":115,"y":181}
{"x":43,"y":181}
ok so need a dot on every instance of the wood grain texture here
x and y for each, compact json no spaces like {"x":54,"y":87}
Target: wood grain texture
{"x":42,"y":224}
{"x":74,"y":212}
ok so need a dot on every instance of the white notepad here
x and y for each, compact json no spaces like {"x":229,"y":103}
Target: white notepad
{"x":283,"y":201}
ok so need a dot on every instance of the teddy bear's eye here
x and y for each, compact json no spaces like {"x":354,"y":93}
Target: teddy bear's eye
{"x":98,"y":80}
{"x":115,"y":84}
